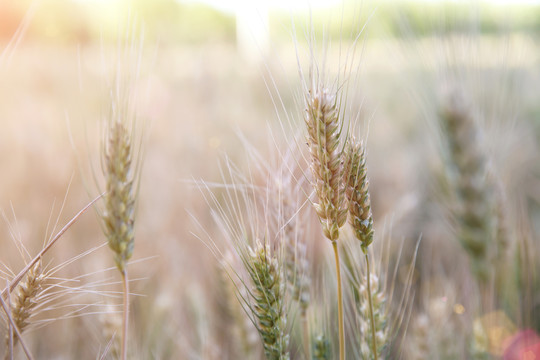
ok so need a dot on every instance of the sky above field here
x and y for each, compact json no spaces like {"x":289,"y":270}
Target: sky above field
{"x":295,"y":5}
{"x":233,"y":5}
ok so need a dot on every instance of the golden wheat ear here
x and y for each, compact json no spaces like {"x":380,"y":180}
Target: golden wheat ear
{"x":26,"y":299}
{"x":31,"y":292}
{"x":324,"y":129}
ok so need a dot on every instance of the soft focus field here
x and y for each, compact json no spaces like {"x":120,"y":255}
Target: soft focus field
{"x":203,"y":102}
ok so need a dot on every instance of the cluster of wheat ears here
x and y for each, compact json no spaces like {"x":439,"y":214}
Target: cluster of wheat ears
{"x":272,"y":286}
{"x":276,"y":300}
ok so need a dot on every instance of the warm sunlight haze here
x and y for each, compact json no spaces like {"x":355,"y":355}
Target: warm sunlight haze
{"x":270,"y":180}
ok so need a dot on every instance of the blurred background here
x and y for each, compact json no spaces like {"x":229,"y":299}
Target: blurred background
{"x":215,"y":75}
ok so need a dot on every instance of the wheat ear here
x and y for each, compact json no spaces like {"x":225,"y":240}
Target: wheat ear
{"x":267,"y":293}
{"x":322,"y":120}
{"x":323,"y":125}
{"x":361,"y":218}
{"x":120,"y":195}
{"x":119,"y":213}
{"x":420,"y":341}
{"x":13,"y":329}
{"x":111,"y":322}
{"x":476,"y":212}
{"x":357,"y":191}
{"x":122,"y":162}
{"x":376,"y":332}
{"x":27,"y":293}
{"x":321,"y":348}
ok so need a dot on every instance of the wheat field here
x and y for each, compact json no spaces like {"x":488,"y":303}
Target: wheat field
{"x":365,"y":187}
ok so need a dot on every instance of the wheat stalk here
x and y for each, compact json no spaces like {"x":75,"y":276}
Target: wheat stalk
{"x":119,"y":213}
{"x":323,"y":125}
{"x":361,"y":220}
{"x":121,"y":159}
{"x":476,"y":209}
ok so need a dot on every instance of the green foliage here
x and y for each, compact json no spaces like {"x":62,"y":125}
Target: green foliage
{"x":322,"y":349}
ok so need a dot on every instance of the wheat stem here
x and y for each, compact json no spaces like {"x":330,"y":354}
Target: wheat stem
{"x":372,"y":319}
{"x":10,"y":329}
{"x":340,"y":304}
{"x":126,"y":314}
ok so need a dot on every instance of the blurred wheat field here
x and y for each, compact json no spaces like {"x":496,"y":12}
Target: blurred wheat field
{"x":215,"y":124}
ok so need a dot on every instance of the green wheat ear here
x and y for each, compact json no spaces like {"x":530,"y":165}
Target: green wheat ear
{"x":322,"y":349}
{"x":476,"y":213}
{"x":120,"y":195}
{"x":357,"y":191}
{"x":268,"y":294}
{"x":121,"y":162}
